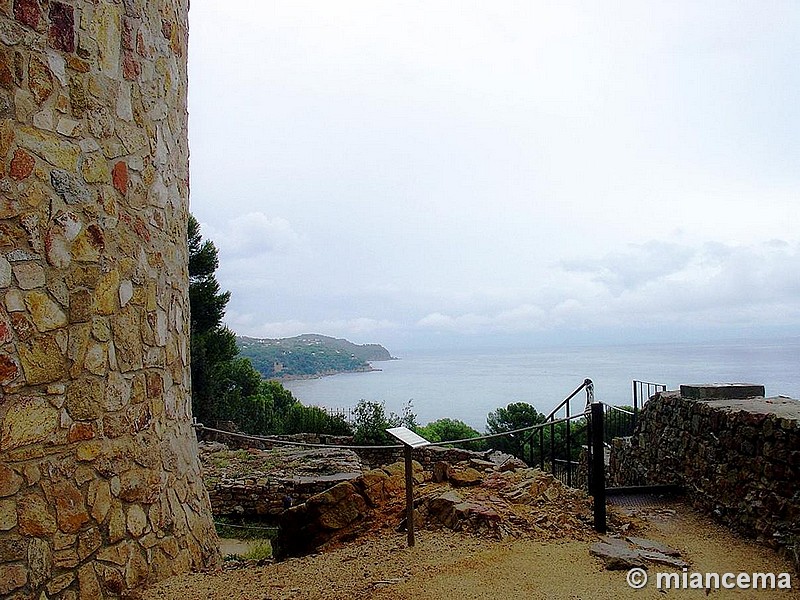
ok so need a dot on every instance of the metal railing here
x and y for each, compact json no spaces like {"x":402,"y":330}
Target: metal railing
{"x":562,"y":438}
{"x":642,"y":391}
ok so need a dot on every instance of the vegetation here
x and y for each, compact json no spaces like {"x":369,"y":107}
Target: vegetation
{"x":261,"y":550}
{"x":370,"y":422}
{"x":309,"y":355}
{"x":444,"y":430}
{"x":225,"y":386}
{"x":516,"y":415}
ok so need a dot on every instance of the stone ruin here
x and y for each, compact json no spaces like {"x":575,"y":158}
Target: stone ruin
{"x":100,"y":487}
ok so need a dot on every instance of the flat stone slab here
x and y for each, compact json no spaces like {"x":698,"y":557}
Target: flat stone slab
{"x":782,"y":407}
{"x":619,"y":554}
{"x":722,"y":391}
{"x":617,"y":557}
{"x":652,"y":546}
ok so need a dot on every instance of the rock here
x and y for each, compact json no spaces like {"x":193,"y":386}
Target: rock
{"x":69,"y":187}
{"x":663,"y":559}
{"x":440,"y":470}
{"x":481,"y":465}
{"x":46,"y":314}
{"x":338,"y":507}
{"x":136,"y":521}
{"x":34,"y":518}
{"x":505,"y":462}
{"x":42,"y":360}
{"x":399,"y":468}
{"x":40,"y":562}
{"x":31,"y":419}
{"x":8,"y":515}
{"x":465,"y":476}
{"x":616,"y":556}
{"x":70,"y":507}
{"x":371,"y":485}
{"x":442,"y":508}
{"x":10,"y":482}
{"x":653,"y":546}
{"x":140,"y":485}
{"x":12,"y":577}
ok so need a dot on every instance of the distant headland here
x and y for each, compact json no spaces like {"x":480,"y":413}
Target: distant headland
{"x":309,"y":355}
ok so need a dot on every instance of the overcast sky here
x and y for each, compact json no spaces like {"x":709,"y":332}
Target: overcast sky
{"x":485,"y":173}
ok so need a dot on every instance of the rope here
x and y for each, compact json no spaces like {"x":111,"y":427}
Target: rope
{"x":261,"y":438}
{"x":270,"y":440}
{"x":246,"y":526}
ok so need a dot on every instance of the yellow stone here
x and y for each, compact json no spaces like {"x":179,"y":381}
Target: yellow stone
{"x":106,"y":296}
{"x":89,"y":451}
{"x":50,"y":147}
{"x":46,"y":314}
{"x":95,"y":169}
{"x":6,"y":136}
{"x":42,"y":360}
{"x":35,"y":194}
{"x":83,"y":250}
{"x":107,"y":17}
{"x":29,"y":420}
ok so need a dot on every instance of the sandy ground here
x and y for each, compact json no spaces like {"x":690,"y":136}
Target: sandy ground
{"x":446,"y":565}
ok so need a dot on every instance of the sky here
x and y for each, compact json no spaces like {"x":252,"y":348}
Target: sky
{"x":429,"y":174}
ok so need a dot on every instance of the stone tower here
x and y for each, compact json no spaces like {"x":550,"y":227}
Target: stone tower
{"x":100,"y":486}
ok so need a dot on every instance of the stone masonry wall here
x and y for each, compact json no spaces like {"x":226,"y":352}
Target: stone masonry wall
{"x":739,"y":460}
{"x":263,"y":494}
{"x":100,"y":486}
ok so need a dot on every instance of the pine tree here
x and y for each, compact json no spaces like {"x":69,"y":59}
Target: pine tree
{"x":212,"y":343}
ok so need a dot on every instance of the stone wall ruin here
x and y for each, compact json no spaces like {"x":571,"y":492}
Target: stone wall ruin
{"x":736,"y":455}
{"x":100,"y":486}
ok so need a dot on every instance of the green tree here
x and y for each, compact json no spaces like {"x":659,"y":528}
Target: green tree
{"x":370,"y":422}
{"x":220,"y":381}
{"x":516,"y":415}
{"x":225,"y":386}
{"x":444,"y":430}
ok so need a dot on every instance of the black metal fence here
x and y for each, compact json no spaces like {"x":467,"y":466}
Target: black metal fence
{"x":642,"y":391}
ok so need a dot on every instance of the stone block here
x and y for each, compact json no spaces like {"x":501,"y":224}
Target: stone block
{"x":722,"y":391}
{"x":32,"y":419}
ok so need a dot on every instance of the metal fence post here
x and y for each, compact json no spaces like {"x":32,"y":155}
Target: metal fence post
{"x":598,"y":473}
{"x":409,"y":495}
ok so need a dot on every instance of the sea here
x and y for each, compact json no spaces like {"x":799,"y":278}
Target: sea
{"x":468,"y":384}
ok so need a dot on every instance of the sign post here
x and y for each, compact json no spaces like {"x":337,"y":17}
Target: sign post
{"x":410,"y":440}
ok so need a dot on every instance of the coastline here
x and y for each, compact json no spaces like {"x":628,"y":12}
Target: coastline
{"x":329,"y":373}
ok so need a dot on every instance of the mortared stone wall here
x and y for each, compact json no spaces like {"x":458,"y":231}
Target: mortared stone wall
{"x":100,"y":487}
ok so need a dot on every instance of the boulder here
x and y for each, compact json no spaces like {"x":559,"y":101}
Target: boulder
{"x":337,"y":507}
{"x":440,"y":469}
{"x":442,"y":508}
{"x":464,"y":476}
{"x":617,"y":557}
{"x":372,"y":485}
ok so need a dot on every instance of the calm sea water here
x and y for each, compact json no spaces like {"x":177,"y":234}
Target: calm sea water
{"x":468,"y":385}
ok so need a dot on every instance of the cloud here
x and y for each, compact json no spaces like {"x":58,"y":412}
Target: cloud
{"x":357,"y":329}
{"x":636,"y":266}
{"x":650,"y":284}
{"x":252,"y":235}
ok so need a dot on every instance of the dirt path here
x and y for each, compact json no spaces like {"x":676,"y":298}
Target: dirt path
{"x":444,"y":566}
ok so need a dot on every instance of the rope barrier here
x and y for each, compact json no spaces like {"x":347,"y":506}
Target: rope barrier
{"x":254,"y":527}
{"x":271,"y":440}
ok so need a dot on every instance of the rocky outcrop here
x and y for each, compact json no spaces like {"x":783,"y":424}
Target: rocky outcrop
{"x":100,"y":486}
{"x":737,"y":458}
{"x":311,"y":524}
{"x":262,"y":483}
{"x":632,"y":552}
{"x":520,"y":502}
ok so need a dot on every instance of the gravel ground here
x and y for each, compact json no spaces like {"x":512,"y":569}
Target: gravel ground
{"x":446,"y":565}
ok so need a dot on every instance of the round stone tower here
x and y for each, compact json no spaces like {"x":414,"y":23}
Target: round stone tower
{"x":100,"y":487}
